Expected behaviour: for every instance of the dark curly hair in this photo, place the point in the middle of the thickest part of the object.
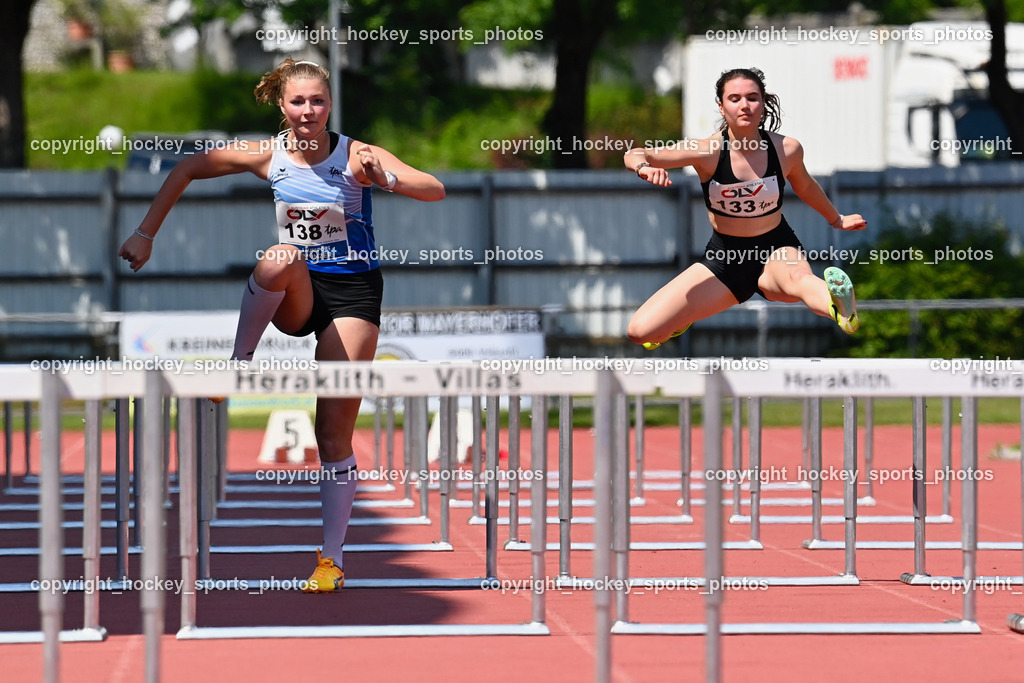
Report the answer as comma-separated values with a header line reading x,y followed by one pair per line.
x,y
771,117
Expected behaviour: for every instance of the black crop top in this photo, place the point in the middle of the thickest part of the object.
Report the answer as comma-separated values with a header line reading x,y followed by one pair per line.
x,y
726,195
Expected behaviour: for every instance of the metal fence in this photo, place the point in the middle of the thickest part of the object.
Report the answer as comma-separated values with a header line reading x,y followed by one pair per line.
x,y
588,246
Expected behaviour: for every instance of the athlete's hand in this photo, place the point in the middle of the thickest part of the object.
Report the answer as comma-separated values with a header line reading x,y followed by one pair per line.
x,y
655,176
136,251
853,222
371,165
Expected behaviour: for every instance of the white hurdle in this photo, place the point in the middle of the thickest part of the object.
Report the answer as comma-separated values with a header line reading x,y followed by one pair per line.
x,y
848,379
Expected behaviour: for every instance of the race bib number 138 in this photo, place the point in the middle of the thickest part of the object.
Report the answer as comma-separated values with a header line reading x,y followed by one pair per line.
x,y
311,224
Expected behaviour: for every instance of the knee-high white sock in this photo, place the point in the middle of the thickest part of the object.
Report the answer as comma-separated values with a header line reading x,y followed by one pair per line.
x,y
258,308
337,493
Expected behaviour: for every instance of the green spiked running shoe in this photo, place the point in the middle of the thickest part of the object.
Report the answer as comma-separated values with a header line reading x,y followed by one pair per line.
x,y
844,305
650,346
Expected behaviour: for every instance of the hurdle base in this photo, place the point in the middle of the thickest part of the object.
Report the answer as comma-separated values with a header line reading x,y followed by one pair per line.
x,y
370,631
1015,622
440,546
263,585
78,635
827,628
909,545
643,545
944,582
698,582
912,579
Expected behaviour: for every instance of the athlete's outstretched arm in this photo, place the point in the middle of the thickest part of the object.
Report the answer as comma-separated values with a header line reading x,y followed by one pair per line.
x,y
650,162
376,162
247,156
808,189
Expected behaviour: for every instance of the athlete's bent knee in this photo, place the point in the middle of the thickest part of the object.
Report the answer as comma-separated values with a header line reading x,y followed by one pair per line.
x,y
638,334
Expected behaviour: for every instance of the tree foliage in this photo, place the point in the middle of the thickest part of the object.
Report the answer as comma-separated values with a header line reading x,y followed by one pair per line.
x,y
944,257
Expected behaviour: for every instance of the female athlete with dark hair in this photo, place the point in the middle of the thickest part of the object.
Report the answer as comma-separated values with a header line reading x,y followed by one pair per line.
x,y
324,277
743,169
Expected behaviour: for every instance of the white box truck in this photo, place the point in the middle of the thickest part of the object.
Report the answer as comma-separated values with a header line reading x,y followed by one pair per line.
x,y
866,97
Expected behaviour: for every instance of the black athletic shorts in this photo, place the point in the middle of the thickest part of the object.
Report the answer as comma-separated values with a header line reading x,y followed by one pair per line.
x,y
343,295
739,261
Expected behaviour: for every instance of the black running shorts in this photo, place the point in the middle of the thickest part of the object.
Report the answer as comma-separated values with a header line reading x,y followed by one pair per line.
x,y
739,261
343,295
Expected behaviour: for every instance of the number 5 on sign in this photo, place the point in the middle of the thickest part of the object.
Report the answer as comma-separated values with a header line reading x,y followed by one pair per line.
x,y
289,438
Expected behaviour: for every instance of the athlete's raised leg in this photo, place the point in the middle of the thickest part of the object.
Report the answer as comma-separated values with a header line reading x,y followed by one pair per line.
x,y
787,277
692,295
278,290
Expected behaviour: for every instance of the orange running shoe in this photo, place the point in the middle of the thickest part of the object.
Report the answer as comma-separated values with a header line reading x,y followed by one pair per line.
x,y
326,577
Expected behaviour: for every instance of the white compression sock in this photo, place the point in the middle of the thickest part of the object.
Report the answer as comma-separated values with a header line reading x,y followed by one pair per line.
x,y
258,308
337,493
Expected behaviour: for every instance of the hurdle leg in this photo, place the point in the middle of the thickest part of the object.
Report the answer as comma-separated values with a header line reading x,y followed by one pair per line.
x,y
947,456
969,504
1016,621
122,472
91,539
188,502
8,445
639,421
51,535
389,407
166,449
477,457
491,498
206,451
154,553
420,412
714,561
814,440
754,420
805,434
539,503
603,449
513,466
446,464
377,406
686,456
850,483
565,469
220,413
869,450
620,502
28,437
920,475
408,454
138,468
737,458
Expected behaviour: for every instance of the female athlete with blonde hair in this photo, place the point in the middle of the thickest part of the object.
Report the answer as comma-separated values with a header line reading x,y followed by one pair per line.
x,y
324,276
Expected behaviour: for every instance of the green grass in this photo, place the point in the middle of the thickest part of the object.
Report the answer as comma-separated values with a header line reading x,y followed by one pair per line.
x,y
76,104
658,412
434,131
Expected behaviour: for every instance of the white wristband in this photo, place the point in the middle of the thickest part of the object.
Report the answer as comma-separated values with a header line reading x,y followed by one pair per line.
x,y
392,180
143,235
839,223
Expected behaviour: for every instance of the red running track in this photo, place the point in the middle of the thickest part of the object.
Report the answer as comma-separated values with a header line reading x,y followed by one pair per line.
x,y
997,654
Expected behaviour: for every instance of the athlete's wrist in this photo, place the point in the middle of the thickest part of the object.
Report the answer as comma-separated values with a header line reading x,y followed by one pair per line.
x,y
837,223
392,180
642,164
